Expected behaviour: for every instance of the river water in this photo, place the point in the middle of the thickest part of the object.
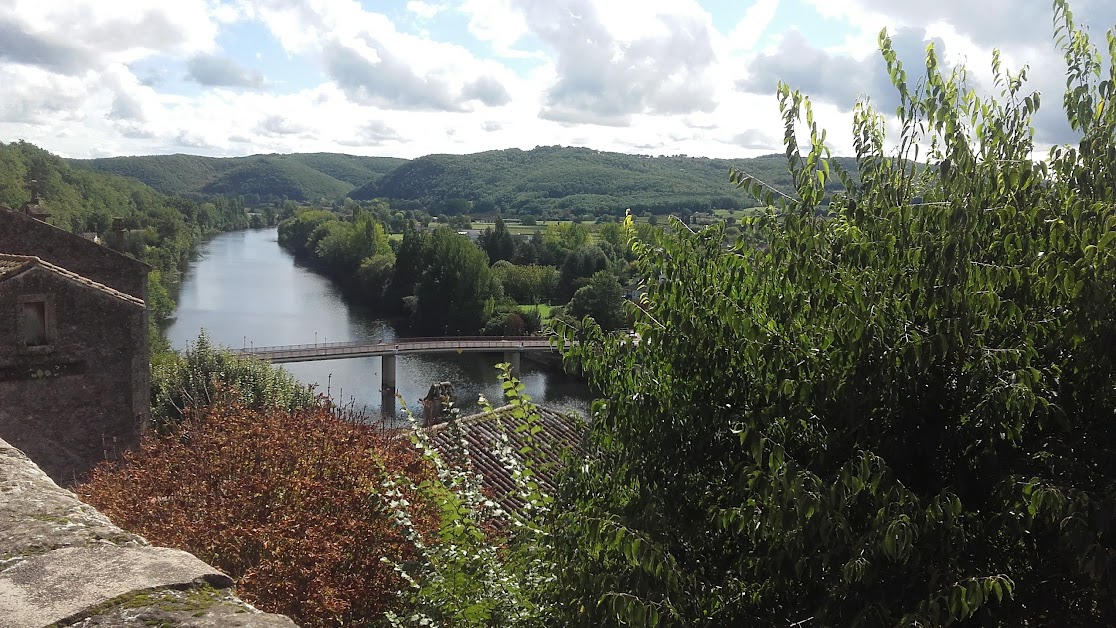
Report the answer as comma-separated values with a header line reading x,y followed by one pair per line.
x,y
245,291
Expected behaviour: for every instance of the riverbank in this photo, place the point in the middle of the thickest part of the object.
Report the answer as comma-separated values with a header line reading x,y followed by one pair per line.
x,y
245,291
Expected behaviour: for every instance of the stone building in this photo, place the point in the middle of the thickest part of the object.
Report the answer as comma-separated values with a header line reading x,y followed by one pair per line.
x,y
74,362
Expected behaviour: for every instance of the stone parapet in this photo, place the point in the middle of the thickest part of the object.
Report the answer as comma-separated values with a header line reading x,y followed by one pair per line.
x,y
63,563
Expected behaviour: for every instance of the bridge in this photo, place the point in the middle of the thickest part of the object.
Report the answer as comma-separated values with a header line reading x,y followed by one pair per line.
x,y
511,346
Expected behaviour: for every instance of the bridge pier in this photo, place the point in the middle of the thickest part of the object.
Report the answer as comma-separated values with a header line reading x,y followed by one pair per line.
x,y
387,385
512,357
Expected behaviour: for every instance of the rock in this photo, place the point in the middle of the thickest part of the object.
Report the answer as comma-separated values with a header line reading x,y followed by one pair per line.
x,y
62,584
64,563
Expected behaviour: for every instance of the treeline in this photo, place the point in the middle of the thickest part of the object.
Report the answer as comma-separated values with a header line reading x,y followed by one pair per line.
x,y
445,283
161,230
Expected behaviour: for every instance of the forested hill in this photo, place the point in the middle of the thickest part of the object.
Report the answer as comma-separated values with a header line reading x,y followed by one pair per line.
x,y
303,177
544,180
551,179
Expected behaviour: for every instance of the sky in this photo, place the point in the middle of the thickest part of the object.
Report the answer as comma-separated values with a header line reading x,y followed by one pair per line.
x,y
406,78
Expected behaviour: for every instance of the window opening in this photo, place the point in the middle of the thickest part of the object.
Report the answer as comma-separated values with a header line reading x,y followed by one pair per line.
x,y
34,323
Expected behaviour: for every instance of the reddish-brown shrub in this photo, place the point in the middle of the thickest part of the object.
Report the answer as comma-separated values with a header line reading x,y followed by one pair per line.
x,y
287,503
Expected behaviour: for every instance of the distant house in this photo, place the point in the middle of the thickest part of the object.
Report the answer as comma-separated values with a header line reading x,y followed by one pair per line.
x,y
472,234
74,363
634,291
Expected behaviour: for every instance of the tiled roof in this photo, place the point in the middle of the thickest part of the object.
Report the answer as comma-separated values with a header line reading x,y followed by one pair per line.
x,y
560,432
12,265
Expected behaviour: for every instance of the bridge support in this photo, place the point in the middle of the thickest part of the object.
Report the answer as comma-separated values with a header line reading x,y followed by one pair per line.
x,y
512,357
387,385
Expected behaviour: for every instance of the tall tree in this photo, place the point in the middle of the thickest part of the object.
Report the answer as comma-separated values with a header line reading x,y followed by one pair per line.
x,y
498,243
898,416
602,299
456,287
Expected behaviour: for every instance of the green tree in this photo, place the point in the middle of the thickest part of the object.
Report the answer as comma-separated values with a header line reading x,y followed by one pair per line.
x,y
196,377
602,299
579,265
456,285
294,232
529,284
898,416
410,261
498,242
374,276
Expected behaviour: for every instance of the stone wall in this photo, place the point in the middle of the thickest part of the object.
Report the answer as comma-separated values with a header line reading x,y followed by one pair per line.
x,y
23,235
63,563
85,395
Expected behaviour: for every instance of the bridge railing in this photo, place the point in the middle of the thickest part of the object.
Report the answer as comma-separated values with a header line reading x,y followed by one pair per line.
x,y
431,342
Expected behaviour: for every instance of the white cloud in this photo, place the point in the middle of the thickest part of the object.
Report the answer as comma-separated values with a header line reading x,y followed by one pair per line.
x,y
499,24
751,27
87,77
424,10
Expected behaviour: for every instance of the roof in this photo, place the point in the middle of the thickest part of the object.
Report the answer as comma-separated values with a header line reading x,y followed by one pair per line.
x,y
12,265
560,433
73,237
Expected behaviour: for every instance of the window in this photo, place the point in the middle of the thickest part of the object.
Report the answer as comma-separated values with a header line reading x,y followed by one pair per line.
x,y
35,325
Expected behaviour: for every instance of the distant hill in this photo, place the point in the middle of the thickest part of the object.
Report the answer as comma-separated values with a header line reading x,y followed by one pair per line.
x,y
544,180
549,179
269,177
299,177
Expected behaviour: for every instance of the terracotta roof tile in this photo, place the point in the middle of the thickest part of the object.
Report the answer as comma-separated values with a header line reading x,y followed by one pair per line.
x,y
12,265
560,432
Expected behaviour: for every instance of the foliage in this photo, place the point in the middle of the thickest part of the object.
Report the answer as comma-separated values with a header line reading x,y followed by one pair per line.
x,y
289,504
489,565
529,284
578,266
497,243
346,245
268,178
192,379
455,286
294,232
602,299
900,416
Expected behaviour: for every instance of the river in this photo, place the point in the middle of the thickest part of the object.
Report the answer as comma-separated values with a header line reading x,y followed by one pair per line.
x,y
244,291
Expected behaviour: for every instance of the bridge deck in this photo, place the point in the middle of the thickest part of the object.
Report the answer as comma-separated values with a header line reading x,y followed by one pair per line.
x,y
362,349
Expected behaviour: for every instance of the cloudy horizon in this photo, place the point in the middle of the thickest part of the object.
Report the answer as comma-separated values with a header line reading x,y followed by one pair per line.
x,y
406,78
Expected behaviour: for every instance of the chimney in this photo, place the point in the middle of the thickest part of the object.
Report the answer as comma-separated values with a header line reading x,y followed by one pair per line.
x,y
115,237
34,208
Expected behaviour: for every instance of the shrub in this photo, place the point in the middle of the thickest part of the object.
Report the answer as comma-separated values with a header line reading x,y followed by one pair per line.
x,y
289,504
181,382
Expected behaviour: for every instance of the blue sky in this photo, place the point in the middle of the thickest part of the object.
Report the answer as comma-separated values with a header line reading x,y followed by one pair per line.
x,y
88,78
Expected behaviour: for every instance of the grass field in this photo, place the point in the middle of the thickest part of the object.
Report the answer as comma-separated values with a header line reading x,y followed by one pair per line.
x,y
544,309
735,213
517,228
